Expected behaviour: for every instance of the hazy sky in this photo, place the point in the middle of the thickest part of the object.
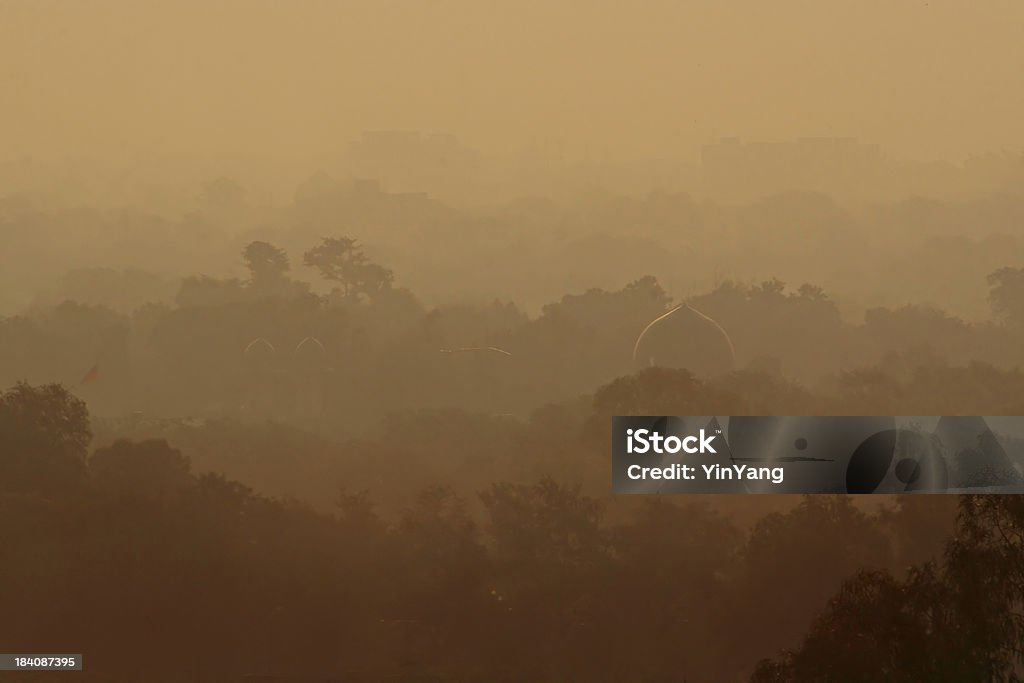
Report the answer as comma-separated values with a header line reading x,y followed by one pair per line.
x,y
208,78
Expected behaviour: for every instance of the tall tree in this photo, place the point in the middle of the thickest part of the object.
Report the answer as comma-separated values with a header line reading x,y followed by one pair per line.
x,y
267,264
1006,294
44,438
341,260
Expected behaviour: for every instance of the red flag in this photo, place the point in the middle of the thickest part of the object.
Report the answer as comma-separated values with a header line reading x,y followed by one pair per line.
x,y
92,376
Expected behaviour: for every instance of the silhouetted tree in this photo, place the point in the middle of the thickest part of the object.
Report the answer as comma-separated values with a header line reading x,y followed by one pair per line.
x,y
148,469
832,538
268,265
876,628
961,620
44,436
341,260
986,571
1006,294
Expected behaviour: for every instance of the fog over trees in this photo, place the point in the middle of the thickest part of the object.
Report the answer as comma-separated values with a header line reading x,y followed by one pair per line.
x,y
314,318
316,474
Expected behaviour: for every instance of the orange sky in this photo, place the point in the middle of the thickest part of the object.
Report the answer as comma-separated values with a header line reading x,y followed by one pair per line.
x,y
571,78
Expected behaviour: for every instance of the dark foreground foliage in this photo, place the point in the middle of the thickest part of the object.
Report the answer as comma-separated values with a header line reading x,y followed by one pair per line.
x,y
156,572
